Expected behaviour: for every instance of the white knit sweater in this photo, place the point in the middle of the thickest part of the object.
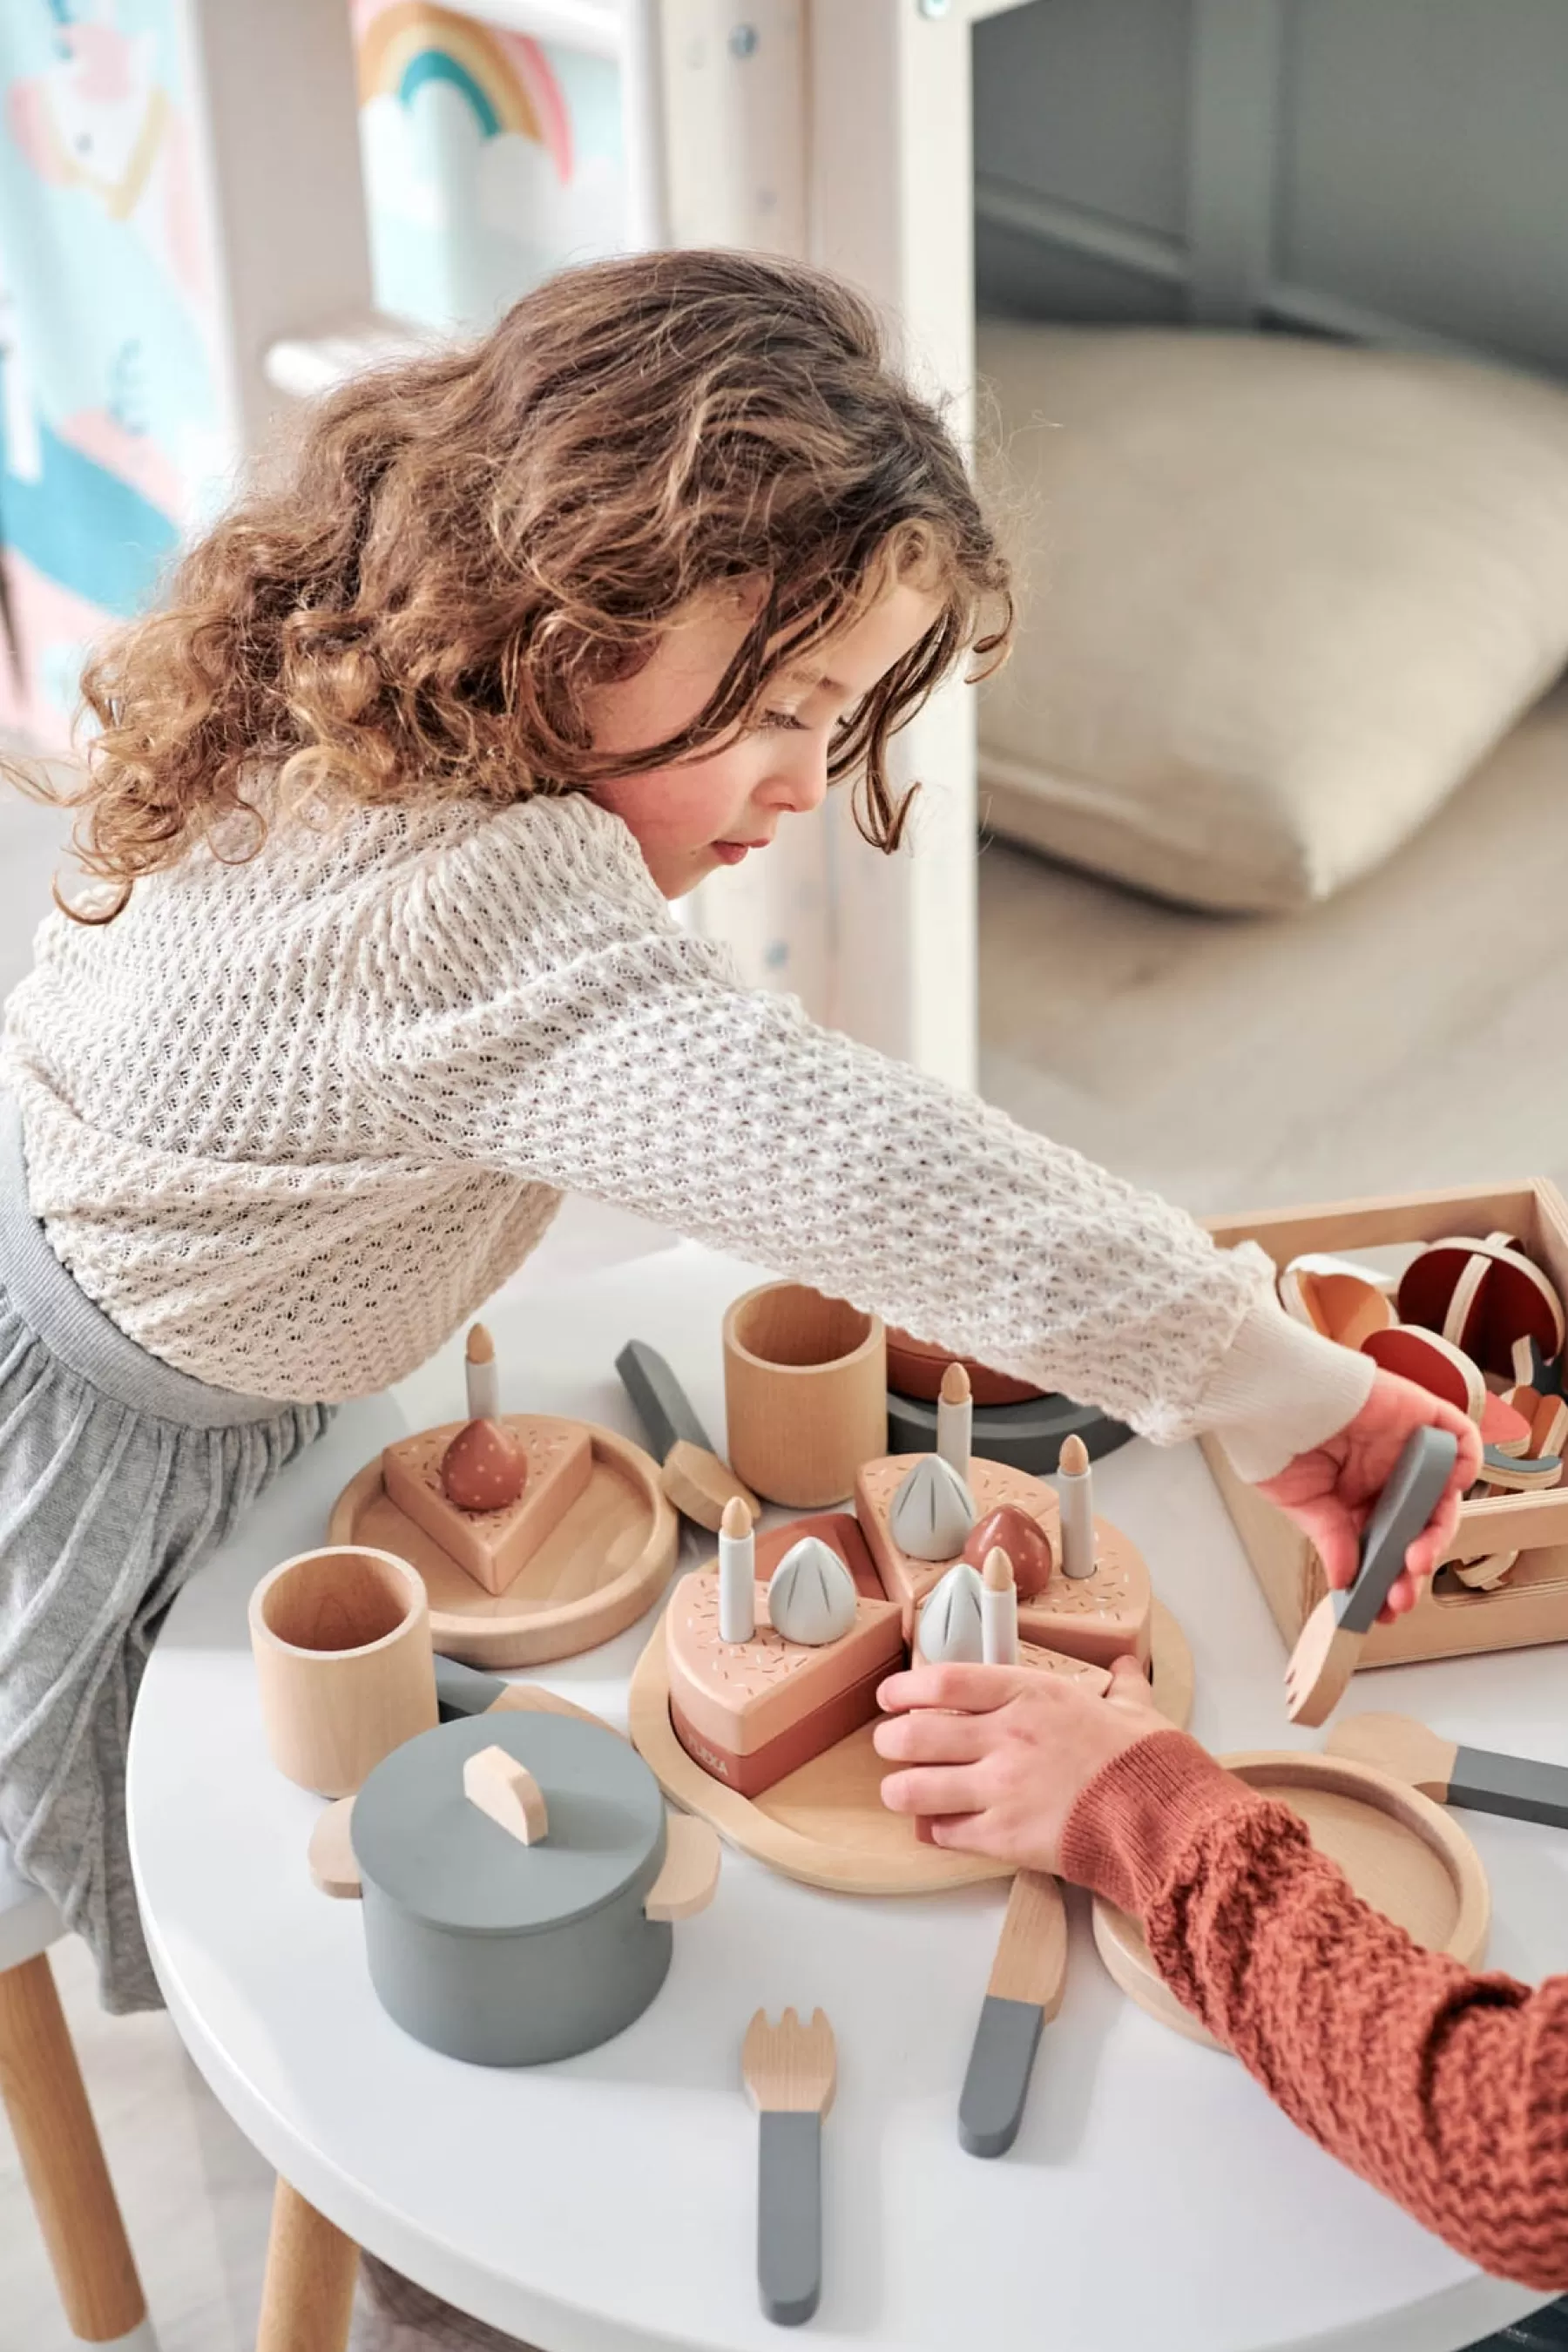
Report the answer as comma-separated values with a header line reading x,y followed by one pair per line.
x,y
289,1121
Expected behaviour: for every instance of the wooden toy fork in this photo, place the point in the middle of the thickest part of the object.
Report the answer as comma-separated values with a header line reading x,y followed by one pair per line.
x,y
791,2070
1324,1658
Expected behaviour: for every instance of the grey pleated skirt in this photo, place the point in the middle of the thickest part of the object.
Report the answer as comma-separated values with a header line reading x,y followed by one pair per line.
x,y
118,1478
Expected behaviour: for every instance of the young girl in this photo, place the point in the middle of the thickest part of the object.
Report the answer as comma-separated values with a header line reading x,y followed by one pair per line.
x,y
388,806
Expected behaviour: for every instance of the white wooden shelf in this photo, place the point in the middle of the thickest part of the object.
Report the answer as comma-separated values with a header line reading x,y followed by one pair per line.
x,y
301,366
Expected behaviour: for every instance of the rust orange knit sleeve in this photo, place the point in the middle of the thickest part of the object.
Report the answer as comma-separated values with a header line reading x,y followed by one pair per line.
x,y
1447,2090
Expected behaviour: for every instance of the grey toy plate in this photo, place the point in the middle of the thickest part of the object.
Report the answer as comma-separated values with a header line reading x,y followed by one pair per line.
x,y
1027,1437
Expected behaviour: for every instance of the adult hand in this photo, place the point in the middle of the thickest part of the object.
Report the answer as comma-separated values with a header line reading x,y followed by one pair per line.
x,y
1000,1775
1330,1492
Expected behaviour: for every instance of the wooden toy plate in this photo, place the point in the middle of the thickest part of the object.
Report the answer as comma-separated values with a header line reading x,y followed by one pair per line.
x,y
594,1575
826,1823
1402,1854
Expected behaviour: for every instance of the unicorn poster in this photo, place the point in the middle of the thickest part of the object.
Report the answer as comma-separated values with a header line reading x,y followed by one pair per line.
x,y
490,160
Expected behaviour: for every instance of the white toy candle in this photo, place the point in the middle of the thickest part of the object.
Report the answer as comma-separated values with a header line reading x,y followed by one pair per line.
x,y
956,1419
736,1573
484,1383
999,1610
1075,1486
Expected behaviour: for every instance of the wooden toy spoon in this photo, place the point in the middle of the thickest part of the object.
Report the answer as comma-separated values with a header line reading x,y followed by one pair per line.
x,y
1324,1658
1028,1979
1475,1778
790,2069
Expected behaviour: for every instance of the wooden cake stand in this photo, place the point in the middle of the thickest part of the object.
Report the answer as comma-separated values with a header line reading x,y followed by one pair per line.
x,y
606,1561
1401,1853
826,1823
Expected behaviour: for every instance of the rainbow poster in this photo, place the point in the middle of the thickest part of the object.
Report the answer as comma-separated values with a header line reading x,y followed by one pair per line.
x,y
492,159
504,78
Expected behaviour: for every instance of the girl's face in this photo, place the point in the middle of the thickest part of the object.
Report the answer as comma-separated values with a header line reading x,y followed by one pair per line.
x,y
700,814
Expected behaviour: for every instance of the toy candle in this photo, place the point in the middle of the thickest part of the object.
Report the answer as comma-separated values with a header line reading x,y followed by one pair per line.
x,y
999,1610
484,1383
736,1573
956,1419
1075,1486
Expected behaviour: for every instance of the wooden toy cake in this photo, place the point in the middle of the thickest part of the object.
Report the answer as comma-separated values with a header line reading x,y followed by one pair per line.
x,y
535,1536
775,1653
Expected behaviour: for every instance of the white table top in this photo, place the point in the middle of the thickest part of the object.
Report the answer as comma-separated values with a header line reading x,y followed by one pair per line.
x,y
1154,2194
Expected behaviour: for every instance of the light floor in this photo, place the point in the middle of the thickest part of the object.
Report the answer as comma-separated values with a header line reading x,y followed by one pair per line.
x,y
1408,1035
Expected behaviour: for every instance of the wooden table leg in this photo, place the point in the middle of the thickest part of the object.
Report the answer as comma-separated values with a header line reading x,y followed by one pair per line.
x,y
62,2157
307,2300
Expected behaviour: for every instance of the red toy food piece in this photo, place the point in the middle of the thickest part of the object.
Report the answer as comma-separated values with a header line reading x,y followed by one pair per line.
x,y
482,1470
1023,1540
1486,1296
1343,1307
1432,1362
1506,1428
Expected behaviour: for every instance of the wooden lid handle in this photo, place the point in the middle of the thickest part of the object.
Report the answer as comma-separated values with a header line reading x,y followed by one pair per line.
x,y
332,1855
508,1792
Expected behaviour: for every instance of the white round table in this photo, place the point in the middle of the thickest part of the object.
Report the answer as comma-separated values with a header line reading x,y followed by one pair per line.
x,y
1154,2196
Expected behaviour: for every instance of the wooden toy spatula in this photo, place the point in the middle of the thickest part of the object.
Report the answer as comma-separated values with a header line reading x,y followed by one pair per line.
x,y
1325,1655
790,2069
694,1478
1475,1778
1028,1979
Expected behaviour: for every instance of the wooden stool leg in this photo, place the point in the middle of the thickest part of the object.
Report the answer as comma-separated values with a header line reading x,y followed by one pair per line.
x,y
307,2300
62,2157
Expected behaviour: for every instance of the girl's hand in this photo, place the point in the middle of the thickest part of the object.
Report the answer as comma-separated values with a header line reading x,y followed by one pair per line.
x,y
1001,1777
1330,1492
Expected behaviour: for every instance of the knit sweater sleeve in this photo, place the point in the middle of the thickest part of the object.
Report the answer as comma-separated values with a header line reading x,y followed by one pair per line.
x,y
1447,2090
537,1010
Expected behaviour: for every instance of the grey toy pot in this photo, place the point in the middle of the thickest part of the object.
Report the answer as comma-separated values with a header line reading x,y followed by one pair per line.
x,y
519,1876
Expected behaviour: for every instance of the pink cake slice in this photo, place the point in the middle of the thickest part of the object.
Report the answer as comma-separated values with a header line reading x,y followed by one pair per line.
x,y
1097,1618
907,1580
492,1547
840,1531
1103,1617
763,1706
1054,1662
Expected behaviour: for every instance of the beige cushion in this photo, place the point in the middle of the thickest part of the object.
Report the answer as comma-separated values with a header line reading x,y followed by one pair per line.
x,y
1279,596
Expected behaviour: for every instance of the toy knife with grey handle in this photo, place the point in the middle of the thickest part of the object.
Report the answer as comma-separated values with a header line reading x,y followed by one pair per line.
x,y
1478,1778
1326,1654
1028,1979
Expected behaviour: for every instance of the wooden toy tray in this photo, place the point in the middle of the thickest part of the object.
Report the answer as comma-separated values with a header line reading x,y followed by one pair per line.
x,y
594,1574
1533,1605
1401,1853
826,1823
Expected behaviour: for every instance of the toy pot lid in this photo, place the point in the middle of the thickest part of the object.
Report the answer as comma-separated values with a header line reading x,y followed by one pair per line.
x,y
423,1841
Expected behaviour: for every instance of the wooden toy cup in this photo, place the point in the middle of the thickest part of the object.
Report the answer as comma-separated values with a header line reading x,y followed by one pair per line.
x,y
345,1662
805,1393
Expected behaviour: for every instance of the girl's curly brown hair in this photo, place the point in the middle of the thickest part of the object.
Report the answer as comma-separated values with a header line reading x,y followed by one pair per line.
x,y
467,539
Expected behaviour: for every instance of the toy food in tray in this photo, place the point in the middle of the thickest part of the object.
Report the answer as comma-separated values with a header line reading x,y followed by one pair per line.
x,y
1476,1321
775,1653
